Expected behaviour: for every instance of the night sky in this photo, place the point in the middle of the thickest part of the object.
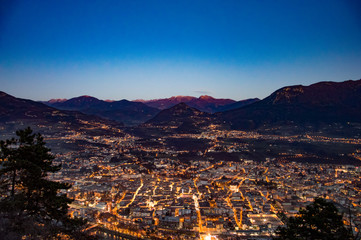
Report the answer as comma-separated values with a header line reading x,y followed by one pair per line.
x,y
155,49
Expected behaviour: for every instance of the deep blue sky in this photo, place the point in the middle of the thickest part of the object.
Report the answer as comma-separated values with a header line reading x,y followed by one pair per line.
x,y
154,49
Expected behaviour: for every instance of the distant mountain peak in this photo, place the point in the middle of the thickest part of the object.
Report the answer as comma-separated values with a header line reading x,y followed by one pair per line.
x,y
180,114
323,102
85,97
181,108
181,98
180,105
204,103
206,97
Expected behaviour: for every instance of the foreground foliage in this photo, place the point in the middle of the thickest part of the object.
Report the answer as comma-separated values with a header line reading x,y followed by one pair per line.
x,y
319,221
31,206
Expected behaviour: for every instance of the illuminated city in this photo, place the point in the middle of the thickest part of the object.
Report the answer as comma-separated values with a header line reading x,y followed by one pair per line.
x,y
180,120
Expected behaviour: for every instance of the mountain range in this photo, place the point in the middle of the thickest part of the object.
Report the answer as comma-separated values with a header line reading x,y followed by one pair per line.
x,y
140,111
323,102
320,104
203,103
124,111
17,112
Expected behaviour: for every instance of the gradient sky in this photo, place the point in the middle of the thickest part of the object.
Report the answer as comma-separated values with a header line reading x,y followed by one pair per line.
x,y
154,49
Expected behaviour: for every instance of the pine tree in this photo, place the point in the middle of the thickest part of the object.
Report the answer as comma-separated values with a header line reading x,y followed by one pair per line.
x,y
27,195
319,221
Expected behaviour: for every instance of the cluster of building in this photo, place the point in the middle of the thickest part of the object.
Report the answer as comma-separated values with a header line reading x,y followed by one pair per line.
x,y
143,190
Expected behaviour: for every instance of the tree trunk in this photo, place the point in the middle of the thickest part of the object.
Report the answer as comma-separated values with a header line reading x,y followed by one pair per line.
x,y
13,184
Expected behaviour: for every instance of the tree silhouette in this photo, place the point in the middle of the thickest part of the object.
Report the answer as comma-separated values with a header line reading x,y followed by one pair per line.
x,y
30,203
319,221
